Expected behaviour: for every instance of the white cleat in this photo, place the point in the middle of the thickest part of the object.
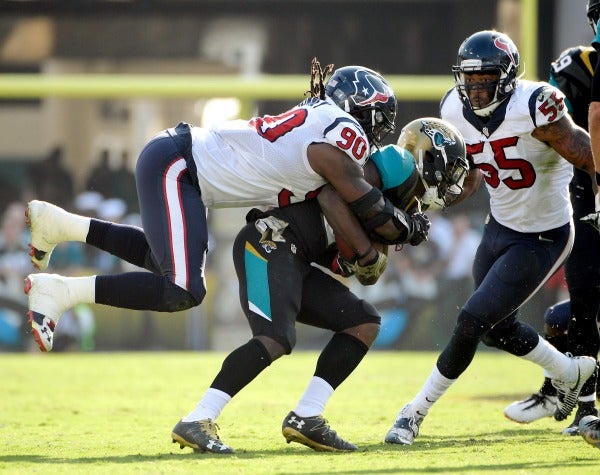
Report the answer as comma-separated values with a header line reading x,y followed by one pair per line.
x,y
48,296
589,428
405,428
49,226
568,391
535,407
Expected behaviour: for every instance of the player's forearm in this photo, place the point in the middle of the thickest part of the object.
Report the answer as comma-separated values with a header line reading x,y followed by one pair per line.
x,y
594,127
343,221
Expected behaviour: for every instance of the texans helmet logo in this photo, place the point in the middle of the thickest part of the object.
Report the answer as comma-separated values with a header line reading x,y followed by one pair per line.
x,y
503,45
372,87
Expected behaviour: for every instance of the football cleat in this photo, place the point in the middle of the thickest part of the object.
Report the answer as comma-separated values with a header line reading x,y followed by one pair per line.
x,y
589,428
49,226
535,407
201,436
568,391
314,432
405,428
583,409
48,297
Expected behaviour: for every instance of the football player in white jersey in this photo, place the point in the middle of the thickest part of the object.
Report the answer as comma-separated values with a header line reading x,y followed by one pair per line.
x,y
267,161
522,143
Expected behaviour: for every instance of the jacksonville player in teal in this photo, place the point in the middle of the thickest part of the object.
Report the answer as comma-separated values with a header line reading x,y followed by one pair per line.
x,y
273,256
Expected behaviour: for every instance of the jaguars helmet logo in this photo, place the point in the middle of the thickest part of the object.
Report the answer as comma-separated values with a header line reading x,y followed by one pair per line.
x,y
440,138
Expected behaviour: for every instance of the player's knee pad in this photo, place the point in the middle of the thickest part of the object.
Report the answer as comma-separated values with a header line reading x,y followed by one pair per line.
x,y
516,338
470,326
497,337
286,338
371,313
176,298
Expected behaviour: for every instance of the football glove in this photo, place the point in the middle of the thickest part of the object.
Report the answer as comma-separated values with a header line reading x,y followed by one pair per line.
x,y
420,228
370,272
593,219
340,266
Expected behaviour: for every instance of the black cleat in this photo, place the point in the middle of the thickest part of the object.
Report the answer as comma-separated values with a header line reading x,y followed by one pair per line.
x,y
200,436
583,409
314,432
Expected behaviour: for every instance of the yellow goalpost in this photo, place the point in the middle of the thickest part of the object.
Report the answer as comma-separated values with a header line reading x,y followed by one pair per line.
x,y
406,87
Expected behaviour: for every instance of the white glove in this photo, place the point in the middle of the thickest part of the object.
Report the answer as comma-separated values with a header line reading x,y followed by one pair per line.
x,y
369,274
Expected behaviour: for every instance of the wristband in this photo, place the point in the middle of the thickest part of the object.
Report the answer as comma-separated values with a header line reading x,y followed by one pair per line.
x,y
366,253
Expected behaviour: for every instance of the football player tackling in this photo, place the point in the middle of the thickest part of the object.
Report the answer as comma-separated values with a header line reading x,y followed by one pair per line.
x,y
267,161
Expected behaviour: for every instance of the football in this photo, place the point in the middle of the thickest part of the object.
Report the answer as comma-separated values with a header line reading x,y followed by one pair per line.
x,y
350,254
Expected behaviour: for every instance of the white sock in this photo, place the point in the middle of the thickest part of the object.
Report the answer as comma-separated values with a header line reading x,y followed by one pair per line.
x,y
81,289
209,407
315,398
434,388
79,227
556,365
588,398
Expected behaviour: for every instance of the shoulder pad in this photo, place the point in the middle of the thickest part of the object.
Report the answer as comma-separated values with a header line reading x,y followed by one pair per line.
x,y
575,62
395,165
547,105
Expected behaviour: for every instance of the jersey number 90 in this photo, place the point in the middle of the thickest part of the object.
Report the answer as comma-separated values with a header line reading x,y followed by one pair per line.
x,y
276,126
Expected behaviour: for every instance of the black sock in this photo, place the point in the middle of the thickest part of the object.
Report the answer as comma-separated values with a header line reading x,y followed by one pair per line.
x,y
123,241
142,291
241,367
339,358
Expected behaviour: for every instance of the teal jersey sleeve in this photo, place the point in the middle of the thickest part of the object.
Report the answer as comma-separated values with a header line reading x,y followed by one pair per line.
x,y
395,164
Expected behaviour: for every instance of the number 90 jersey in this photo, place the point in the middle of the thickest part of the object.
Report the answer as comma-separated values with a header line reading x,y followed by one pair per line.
x,y
527,180
264,161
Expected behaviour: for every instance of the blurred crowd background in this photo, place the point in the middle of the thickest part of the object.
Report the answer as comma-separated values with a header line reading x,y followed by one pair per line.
x,y
81,153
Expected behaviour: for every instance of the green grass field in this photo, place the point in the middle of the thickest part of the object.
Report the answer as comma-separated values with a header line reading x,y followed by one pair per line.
x,y
113,413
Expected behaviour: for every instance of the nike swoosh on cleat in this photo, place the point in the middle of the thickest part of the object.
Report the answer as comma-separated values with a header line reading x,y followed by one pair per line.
x,y
578,379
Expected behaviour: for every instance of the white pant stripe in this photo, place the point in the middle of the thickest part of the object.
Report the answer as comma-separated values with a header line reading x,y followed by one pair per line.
x,y
177,230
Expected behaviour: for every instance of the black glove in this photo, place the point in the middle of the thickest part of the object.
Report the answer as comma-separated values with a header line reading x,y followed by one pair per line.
x,y
593,219
340,266
420,227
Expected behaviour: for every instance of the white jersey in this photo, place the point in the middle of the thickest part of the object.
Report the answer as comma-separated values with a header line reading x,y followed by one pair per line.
x,y
526,179
264,162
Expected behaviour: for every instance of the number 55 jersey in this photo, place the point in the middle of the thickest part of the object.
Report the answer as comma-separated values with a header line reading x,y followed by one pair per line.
x,y
264,161
527,180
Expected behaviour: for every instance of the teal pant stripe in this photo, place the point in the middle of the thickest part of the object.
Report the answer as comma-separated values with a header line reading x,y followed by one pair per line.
x,y
257,283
